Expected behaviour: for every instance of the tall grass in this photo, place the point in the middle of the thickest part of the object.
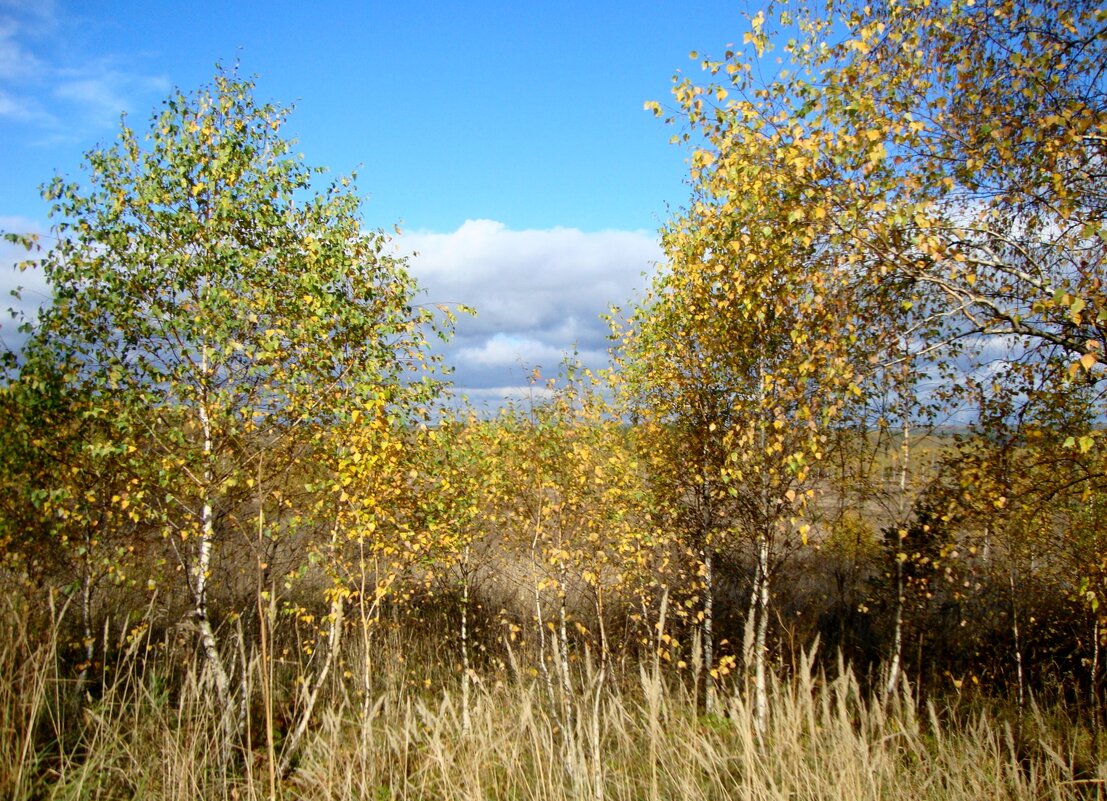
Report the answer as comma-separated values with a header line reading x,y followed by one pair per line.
x,y
146,729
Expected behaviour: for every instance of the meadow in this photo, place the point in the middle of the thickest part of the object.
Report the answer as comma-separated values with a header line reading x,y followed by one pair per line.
x,y
143,725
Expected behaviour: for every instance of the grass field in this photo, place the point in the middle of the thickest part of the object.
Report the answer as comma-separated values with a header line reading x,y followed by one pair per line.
x,y
144,728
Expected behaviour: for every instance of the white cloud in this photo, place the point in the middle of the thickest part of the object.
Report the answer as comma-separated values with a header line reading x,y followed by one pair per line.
x,y
42,86
494,397
30,285
538,294
524,278
102,92
511,351
16,61
21,109
21,73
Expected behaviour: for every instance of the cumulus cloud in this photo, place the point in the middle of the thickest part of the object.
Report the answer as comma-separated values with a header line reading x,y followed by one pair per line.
x,y
491,397
538,294
511,350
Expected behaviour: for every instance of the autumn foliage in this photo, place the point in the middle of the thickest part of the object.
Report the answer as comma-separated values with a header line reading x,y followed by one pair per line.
x,y
853,429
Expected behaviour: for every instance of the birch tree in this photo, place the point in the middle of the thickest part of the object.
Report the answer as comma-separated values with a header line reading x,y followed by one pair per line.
x,y
203,282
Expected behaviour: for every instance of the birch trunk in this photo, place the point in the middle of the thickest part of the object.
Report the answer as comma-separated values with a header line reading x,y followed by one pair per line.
x,y
202,572
1094,698
710,692
466,717
312,689
895,666
761,583
88,640
568,705
334,642
1018,642
543,666
760,648
595,730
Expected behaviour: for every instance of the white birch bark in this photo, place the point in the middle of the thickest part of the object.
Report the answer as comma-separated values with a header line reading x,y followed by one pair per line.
x,y
466,716
760,648
895,665
710,691
202,571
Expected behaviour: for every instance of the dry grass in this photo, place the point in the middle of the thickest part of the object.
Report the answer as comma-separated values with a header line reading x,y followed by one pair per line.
x,y
148,731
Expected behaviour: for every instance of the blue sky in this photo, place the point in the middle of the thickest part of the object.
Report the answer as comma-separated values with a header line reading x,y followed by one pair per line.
x,y
507,138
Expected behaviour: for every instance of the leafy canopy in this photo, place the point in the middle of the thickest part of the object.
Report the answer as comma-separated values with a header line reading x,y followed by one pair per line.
x,y
196,269
952,150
